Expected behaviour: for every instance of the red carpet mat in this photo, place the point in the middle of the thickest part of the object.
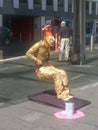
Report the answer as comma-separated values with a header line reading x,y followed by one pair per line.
x,y
49,98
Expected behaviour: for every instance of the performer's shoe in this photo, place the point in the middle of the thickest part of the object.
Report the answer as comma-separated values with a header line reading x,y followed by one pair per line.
x,y
69,97
65,98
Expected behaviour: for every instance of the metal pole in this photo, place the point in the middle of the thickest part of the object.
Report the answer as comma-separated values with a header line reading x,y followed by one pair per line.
x,y
82,31
79,31
92,43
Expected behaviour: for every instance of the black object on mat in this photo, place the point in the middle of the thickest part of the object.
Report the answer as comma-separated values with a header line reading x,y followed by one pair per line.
x,y
49,98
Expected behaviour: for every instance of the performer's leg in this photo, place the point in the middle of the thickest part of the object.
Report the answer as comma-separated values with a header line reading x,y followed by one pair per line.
x,y
45,73
61,86
60,80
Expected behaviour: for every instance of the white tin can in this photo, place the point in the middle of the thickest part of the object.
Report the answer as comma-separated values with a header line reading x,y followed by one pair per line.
x,y
69,108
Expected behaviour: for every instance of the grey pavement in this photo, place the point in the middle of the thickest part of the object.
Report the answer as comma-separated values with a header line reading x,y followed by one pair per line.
x,y
19,113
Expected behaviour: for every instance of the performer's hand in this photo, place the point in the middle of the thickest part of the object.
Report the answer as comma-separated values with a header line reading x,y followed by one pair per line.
x,y
39,62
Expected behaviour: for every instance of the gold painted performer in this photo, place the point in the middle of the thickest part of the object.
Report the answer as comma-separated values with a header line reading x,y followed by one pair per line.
x,y
39,53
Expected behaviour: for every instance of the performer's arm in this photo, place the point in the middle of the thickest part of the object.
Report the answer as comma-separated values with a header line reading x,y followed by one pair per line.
x,y
31,54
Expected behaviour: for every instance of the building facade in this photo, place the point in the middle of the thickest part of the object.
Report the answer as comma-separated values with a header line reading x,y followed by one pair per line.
x,y
26,17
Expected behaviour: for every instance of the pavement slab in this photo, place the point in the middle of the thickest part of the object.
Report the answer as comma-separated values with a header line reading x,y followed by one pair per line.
x,y
18,81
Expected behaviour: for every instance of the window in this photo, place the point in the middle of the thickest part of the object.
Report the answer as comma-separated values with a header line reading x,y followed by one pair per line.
x,y
49,2
23,1
93,6
96,28
37,1
89,26
87,5
60,3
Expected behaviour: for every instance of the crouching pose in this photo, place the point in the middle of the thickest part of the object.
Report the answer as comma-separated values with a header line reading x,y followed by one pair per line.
x,y
39,53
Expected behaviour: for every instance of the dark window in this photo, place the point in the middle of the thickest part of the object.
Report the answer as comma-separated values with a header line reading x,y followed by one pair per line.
x,y
93,5
61,3
23,1
37,1
87,5
96,28
70,4
49,2
89,26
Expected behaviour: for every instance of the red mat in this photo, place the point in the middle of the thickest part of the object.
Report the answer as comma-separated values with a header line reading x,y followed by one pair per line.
x,y
49,98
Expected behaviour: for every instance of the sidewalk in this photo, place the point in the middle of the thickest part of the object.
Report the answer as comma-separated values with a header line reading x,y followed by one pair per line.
x,y
28,115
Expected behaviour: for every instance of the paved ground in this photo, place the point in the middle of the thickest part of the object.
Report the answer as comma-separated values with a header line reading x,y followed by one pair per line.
x,y
18,81
14,49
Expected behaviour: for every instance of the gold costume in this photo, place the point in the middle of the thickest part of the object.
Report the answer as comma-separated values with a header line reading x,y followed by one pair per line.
x,y
40,53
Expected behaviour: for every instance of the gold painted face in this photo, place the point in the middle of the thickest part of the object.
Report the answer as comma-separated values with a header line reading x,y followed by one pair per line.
x,y
50,40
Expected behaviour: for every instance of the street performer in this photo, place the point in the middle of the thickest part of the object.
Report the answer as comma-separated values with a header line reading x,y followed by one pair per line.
x,y
39,53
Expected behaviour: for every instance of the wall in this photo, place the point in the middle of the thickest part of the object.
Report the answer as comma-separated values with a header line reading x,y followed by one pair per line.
x,y
37,29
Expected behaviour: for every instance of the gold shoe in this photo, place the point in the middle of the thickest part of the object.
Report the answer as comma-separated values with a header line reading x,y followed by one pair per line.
x,y
68,98
64,98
